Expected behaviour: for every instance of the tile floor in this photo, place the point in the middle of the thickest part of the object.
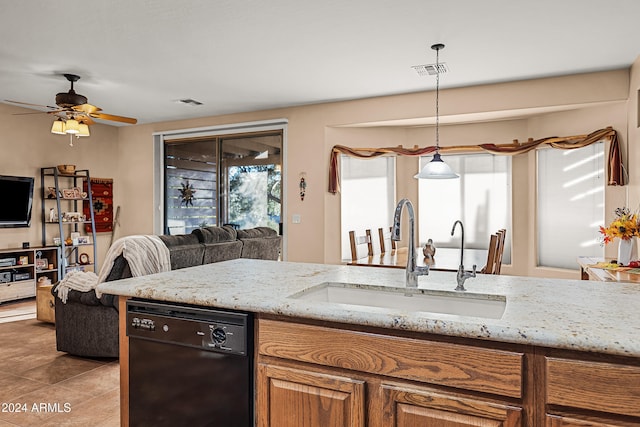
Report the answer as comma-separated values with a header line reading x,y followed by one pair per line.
x,y
40,386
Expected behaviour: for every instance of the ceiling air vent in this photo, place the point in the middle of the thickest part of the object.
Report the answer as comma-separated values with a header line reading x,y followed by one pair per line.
x,y
431,69
189,101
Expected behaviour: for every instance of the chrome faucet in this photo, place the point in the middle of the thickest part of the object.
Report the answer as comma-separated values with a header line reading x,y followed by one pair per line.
x,y
462,275
412,271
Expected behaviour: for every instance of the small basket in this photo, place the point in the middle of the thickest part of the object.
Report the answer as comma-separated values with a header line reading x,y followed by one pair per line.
x,y
66,169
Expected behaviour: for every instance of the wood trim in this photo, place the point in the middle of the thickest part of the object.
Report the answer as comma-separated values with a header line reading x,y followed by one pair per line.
x,y
454,365
605,387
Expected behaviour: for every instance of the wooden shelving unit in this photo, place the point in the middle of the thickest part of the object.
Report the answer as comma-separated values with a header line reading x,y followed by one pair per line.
x,y
59,197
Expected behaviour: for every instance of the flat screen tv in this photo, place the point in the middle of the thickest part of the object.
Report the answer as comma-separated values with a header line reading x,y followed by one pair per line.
x,y
17,200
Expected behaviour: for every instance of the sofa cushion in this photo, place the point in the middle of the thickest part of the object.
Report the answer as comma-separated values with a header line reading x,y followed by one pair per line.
x,y
223,251
179,240
260,243
214,234
185,250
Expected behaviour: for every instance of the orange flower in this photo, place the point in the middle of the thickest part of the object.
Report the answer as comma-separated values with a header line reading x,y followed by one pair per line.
x,y
625,226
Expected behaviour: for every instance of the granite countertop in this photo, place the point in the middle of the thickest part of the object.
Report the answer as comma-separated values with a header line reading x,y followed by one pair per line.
x,y
569,314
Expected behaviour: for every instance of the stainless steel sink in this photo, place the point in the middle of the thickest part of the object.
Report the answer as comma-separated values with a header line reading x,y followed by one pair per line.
x,y
405,299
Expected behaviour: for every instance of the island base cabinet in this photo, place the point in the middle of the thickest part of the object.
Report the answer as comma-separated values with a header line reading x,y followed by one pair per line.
x,y
288,397
560,421
411,407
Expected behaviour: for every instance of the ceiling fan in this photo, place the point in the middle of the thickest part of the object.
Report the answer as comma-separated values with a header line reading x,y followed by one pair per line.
x,y
73,106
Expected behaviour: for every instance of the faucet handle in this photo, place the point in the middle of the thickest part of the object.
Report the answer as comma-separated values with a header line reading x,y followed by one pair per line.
x,y
474,271
422,270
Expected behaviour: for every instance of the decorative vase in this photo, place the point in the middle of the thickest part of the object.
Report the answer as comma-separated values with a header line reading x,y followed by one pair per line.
x,y
627,251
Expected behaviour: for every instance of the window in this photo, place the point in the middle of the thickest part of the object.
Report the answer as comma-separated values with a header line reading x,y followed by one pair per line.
x,y
480,198
570,204
225,179
367,196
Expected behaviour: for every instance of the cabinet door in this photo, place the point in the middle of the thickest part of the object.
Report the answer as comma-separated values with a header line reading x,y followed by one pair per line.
x,y
413,407
288,397
561,421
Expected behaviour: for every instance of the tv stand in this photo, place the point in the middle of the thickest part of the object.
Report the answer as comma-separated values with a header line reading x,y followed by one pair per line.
x,y
20,270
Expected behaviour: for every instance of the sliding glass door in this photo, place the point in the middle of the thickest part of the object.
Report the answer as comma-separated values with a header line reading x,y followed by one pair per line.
x,y
226,179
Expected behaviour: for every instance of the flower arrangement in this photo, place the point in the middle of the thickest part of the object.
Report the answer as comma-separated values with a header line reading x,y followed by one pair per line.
x,y
624,226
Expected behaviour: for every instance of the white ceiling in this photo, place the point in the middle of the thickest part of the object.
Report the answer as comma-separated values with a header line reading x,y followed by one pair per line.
x,y
136,58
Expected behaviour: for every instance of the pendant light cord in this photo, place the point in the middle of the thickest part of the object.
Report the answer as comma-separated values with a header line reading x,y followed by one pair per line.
x,y
438,100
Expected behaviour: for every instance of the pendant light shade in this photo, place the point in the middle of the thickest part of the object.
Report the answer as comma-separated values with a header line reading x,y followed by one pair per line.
x,y
437,168
58,127
72,126
83,130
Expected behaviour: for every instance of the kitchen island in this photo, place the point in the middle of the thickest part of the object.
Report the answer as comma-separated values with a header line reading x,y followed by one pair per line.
x,y
564,352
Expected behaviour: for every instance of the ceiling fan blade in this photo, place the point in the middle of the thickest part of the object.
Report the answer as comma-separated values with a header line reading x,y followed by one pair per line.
x,y
36,112
32,105
113,118
87,108
86,119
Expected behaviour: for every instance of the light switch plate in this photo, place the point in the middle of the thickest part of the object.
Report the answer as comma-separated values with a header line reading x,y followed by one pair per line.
x,y
296,219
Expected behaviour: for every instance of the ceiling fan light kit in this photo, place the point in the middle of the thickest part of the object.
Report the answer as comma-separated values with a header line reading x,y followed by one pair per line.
x,y
74,114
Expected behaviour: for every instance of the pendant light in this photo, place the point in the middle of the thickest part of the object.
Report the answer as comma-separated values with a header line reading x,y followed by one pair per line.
x,y
437,168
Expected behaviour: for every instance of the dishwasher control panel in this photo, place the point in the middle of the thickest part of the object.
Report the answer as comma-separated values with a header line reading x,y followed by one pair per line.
x,y
204,328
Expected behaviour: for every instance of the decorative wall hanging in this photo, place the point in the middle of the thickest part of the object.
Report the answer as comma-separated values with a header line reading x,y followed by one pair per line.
x,y
186,194
615,170
303,185
102,195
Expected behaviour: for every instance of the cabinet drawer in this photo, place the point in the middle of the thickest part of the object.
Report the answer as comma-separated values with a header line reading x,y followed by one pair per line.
x,y
17,290
25,288
454,365
605,387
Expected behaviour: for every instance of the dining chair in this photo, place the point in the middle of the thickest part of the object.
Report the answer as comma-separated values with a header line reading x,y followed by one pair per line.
x,y
358,243
500,250
494,256
385,240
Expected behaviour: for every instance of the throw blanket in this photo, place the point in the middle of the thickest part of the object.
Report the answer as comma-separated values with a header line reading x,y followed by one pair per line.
x,y
145,254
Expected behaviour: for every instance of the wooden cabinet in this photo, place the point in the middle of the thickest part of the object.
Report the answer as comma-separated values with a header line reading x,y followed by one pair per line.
x,y
291,397
317,376
21,269
405,406
561,421
600,388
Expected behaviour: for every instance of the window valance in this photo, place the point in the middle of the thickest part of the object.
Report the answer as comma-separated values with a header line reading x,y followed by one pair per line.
x,y
615,171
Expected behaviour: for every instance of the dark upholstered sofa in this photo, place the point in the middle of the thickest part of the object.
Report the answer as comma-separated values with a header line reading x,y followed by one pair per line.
x,y
88,326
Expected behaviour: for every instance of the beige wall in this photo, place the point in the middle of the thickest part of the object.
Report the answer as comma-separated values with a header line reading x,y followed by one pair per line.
x,y
28,145
581,103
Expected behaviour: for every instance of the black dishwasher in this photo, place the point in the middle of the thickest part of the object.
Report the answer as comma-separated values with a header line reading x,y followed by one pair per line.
x,y
188,365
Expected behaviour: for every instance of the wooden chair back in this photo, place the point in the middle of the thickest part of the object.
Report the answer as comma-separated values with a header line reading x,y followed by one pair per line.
x,y
496,249
358,244
500,250
385,240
